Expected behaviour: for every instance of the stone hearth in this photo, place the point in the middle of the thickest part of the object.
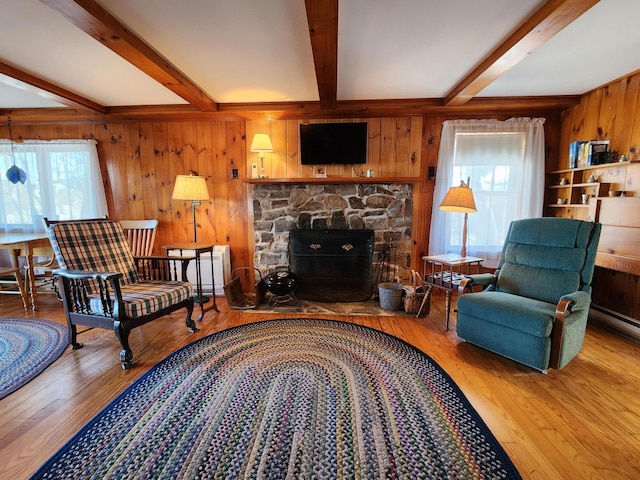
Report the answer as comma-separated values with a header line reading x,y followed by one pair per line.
x,y
387,209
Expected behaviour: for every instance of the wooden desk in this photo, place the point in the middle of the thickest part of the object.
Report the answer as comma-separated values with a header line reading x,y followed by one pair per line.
x,y
445,272
23,245
198,249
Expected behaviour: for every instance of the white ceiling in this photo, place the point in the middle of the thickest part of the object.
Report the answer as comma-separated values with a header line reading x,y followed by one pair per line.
x,y
249,51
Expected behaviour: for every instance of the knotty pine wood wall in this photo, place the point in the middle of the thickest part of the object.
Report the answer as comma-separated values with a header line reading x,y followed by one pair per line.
x,y
612,112
140,161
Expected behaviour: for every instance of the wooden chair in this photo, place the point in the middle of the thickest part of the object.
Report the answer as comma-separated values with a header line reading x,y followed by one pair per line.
x,y
43,278
5,274
141,235
104,286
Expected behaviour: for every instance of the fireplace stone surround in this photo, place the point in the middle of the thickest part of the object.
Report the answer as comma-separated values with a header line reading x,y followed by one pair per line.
x,y
385,208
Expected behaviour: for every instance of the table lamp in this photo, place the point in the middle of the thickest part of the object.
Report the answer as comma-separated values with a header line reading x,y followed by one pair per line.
x,y
460,199
261,143
194,189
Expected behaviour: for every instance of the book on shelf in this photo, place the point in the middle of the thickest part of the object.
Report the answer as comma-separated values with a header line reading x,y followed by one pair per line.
x,y
597,148
583,153
576,151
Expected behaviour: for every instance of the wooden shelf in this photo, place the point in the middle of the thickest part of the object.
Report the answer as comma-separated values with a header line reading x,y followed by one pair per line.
x,y
280,181
591,167
570,205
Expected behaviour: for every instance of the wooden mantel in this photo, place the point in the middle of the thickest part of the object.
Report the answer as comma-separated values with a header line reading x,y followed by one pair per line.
x,y
330,180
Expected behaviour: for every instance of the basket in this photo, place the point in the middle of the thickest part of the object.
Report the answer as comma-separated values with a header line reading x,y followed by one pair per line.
x,y
415,296
237,299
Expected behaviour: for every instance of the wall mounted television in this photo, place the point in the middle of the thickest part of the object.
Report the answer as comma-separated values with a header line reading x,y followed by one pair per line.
x,y
333,143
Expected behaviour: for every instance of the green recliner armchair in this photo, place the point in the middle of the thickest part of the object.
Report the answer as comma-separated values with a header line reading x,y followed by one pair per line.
x,y
534,309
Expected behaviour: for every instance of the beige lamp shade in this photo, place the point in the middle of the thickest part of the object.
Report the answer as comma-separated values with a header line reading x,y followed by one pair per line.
x,y
190,187
261,143
459,199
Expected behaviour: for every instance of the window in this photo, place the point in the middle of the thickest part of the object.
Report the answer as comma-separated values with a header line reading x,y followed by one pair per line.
x,y
505,163
63,183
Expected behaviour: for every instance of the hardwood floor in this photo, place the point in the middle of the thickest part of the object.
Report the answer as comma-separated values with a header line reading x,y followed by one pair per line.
x,y
582,422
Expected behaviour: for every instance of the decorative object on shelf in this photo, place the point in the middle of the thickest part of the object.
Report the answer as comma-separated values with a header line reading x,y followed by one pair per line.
x,y
460,199
585,198
261,143
193,188
592,179
563,181
14,174
614,193
562,201
622,158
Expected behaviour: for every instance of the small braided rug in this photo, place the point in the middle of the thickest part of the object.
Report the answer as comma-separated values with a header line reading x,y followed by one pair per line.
x,y
294,398
27,347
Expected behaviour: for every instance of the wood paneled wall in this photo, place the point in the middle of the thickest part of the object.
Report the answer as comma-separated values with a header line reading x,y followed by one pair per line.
x,y
394,148
140,161
612,112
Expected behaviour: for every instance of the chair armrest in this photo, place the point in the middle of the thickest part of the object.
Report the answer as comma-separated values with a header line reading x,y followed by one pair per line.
x,y
86,274
482,279
572,302
162,267
577,301
78,285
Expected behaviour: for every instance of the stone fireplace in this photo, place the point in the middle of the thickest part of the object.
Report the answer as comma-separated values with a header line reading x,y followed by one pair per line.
x,y
385,208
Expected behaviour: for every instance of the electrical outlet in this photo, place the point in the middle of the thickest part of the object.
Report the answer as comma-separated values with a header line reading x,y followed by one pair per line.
x,y
254,170
234,173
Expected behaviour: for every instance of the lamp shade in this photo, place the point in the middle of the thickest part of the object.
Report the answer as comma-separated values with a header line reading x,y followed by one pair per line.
x,y
261,143
190,187
459,199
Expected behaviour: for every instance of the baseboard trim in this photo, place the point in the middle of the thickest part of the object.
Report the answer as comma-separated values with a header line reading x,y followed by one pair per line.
x,y
627,325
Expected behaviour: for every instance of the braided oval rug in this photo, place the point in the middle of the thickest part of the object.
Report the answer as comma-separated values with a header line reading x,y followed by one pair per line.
x,y
27,347
294,398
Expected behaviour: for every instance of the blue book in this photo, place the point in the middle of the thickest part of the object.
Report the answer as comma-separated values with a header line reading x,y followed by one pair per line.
x,y
574,153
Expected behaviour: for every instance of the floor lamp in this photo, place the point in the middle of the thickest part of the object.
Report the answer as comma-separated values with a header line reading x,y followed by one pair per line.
x,y
194,189
460,199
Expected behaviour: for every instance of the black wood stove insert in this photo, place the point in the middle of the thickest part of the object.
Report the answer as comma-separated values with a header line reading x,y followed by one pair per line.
x,y
332,265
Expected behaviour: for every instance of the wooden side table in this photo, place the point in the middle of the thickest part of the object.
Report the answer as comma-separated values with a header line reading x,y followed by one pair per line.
x,y
445,272
198,249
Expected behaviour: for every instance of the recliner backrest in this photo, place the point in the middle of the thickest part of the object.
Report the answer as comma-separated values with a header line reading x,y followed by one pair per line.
x,y
546,258
95,245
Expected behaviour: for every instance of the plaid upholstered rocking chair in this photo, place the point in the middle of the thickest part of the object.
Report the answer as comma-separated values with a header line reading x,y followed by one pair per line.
x,y
104,286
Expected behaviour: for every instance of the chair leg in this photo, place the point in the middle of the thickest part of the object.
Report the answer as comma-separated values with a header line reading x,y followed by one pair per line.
x,y
188,320
21,286
23,290
126,355
73,335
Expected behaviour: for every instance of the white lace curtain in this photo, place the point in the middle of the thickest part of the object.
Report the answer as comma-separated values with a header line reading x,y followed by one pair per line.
x,y
505,162
63,182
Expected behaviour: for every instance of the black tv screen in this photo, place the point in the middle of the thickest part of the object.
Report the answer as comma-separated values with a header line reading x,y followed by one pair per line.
x,y
333,143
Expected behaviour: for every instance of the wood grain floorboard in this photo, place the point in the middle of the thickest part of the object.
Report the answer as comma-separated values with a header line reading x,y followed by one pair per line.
x,y
582,422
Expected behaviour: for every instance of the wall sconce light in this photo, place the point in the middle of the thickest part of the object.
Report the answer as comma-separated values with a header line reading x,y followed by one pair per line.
x,y
460,199
261,143
194,189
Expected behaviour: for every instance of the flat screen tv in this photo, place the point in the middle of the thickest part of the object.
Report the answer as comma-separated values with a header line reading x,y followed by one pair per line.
x,y
333,143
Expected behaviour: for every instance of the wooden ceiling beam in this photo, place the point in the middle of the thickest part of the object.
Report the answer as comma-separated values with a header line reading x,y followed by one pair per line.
x,y
95,21
552,17
15,77
322,17
522,106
